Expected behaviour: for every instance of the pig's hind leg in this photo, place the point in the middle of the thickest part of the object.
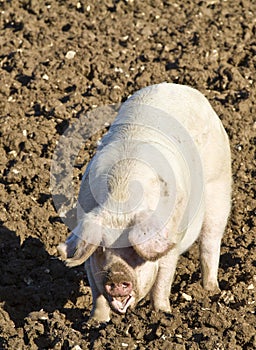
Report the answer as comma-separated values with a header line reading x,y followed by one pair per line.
x,y
217,204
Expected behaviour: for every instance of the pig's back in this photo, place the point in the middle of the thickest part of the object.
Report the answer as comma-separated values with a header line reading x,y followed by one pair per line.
x,y
192,110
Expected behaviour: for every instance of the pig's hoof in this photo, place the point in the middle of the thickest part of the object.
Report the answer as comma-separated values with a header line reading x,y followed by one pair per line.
x,y
211,287
95,323
162,307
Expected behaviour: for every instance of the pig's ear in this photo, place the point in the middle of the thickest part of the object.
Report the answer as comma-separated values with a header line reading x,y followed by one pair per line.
x,y
149,238
81,243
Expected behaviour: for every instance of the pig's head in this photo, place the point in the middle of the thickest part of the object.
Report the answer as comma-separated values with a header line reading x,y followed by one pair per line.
x,y
118,271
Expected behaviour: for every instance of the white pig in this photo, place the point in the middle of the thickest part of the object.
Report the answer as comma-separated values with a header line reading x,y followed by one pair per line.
x,y
160,179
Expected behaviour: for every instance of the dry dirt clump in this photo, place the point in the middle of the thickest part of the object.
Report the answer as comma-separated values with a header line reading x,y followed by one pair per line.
x,y
60,59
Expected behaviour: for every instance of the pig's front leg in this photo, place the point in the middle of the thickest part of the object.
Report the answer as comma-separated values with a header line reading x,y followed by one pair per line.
x,y
160,292
101,309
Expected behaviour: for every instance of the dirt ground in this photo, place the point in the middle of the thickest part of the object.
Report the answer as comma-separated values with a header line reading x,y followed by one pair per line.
x,y
58,60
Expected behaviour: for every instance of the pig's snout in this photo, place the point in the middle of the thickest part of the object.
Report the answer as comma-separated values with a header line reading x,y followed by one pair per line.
x,y
119,292
121,289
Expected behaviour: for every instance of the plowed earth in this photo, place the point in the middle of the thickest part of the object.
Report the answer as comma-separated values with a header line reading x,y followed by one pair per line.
x,y
60,59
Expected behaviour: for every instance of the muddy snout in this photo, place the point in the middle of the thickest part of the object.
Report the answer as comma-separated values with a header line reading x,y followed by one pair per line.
x,y
118,289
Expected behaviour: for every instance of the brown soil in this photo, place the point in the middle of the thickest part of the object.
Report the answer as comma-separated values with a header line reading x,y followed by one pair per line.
x,y
120,47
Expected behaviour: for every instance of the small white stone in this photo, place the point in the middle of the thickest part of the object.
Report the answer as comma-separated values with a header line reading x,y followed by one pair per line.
x,y
76,347
124,345
15,171
45,77
186,296
119,70
13,153
24,132
250,287
124,38
70,54
43,318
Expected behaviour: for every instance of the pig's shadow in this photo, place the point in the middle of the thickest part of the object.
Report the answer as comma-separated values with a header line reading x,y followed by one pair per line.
x,y
32,280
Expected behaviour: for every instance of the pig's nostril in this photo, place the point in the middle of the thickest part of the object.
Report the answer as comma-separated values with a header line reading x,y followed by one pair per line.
x,y
118,289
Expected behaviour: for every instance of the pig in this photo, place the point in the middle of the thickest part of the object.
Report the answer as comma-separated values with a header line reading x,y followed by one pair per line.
x,y
160,180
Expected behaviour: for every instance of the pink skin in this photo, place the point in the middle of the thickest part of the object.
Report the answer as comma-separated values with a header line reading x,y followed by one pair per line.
x,y
119,295
122,289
